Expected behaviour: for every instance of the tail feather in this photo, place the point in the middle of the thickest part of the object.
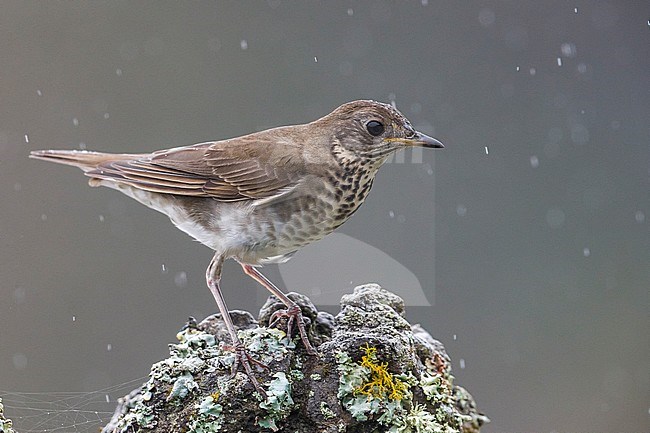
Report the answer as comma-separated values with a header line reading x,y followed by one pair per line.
x,y
83,159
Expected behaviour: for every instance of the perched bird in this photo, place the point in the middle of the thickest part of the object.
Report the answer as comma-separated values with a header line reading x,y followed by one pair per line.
x,y
259,198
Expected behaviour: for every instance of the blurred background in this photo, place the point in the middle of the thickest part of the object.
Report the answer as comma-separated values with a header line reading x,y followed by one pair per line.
x,y
534,255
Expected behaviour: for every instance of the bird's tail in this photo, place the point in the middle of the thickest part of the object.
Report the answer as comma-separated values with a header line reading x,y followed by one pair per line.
x,y
83,159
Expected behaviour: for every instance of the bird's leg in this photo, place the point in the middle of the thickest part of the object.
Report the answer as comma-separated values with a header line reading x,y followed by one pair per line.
x,y
242,357
293,311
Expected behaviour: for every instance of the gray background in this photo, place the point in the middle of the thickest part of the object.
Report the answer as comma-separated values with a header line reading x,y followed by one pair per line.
x,y
541,247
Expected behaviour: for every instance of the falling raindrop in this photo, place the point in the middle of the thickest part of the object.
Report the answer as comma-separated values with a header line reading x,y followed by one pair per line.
x,y
118,72
350,12
26,138
74,318
315,59
461,210
487,151
559,61
101,218
75,121
639,216
532,71
586,252
164,269
180,279
461,363
534,161
109,347
243,44
106,115
39,93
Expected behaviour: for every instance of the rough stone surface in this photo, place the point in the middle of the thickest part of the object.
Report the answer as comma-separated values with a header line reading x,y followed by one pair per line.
x,y
375,372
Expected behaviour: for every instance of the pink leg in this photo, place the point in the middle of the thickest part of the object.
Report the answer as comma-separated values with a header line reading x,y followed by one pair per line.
x,y
242,357
293,311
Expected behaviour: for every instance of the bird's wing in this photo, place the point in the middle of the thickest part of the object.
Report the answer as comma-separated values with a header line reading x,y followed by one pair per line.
x,y
244,168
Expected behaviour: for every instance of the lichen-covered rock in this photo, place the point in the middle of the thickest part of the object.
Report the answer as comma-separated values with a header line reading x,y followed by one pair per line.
x,y
374,373
5,424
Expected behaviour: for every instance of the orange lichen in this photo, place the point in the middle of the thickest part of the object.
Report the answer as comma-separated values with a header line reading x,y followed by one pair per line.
x,y
382,383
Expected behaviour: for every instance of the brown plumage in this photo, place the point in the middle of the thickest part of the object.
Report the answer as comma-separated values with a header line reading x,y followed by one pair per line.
x,y
260,197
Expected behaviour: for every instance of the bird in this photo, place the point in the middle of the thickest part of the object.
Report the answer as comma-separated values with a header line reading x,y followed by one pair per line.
x,y
260,197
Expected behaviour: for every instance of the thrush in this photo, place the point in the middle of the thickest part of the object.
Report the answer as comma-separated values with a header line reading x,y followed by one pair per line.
x,y
259,198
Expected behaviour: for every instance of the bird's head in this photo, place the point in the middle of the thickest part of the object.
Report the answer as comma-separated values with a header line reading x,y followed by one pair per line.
x,y
371,131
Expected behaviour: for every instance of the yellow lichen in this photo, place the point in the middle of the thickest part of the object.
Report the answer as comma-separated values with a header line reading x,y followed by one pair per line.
x,y
382,383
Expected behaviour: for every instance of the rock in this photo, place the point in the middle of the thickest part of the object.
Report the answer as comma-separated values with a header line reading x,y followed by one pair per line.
x,y
5,424
375,372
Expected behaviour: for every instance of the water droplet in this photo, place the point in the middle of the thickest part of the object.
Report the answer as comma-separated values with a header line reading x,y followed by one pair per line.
x,y
461,363
486,17
568,49
534,161
586,252
26,138
575,10
109,347
559,61
315,59
164,268
455,337
243,44
19,295
517,68
487,151
639,216
180,279
74,318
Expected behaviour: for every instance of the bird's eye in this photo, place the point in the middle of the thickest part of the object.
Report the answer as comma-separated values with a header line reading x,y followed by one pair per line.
x,y
375,128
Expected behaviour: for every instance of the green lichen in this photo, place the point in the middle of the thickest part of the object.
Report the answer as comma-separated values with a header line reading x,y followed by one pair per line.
x,y
368,388
182,387
419,420
278,403
269,344
139,414
5,424
208,418
326,411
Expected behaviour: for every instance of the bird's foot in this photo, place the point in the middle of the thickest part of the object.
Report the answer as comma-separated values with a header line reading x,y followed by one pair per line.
x,y
245,360
294,315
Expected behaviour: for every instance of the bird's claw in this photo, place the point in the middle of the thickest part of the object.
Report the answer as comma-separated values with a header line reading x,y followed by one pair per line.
x,y
244,359
294,315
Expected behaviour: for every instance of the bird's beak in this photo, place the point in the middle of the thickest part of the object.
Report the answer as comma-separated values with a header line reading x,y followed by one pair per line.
x,y
423,140
418,140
